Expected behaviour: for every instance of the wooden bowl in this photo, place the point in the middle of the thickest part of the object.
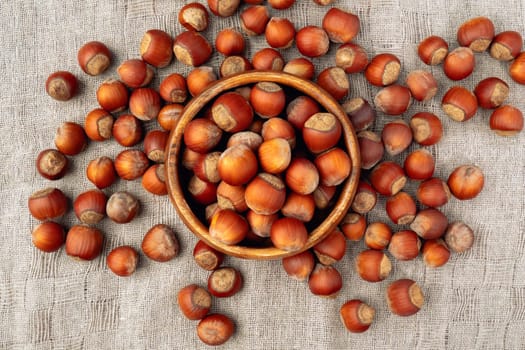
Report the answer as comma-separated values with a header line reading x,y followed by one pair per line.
x,y
192,109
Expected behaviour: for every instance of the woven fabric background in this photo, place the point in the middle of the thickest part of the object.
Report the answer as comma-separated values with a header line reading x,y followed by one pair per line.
x,y
49,301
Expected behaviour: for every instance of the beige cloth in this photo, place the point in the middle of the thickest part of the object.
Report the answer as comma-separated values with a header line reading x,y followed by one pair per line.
x,y
48,301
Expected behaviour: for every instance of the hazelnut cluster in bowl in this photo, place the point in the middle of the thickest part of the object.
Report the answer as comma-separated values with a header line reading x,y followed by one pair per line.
x,y
262,165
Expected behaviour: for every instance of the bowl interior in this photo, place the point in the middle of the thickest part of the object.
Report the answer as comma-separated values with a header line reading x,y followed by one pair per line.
x,y
175,180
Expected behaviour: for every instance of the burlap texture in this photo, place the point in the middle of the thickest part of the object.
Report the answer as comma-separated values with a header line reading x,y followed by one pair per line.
x,y
48,301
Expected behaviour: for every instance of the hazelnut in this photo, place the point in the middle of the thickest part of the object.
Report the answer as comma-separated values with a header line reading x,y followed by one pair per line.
x,y
280,33
476,33
98,125
435,253
433,192
334,81
268,59
377,235
331,249
506,120
388,178
393,99
334,166
429,223
160,243
491,92
459,63
427,128
191,48
299,266
373,265
113,96
371,147
401,208
404,297
61,85
122,261
135,73
301,67
101,172
194,302
419,164
405,245
48,203
156,48
199,78
289,234
94,57
432,50
130,164
224,282
90,206
506,45
312,41
194,16
70,138
228,227
396,136
422,84
365,198
351,57
223,8
321,132
215,329
83,242
353,226
341,26
51,164
383,69
357,316
127,130
154,180
229,42
207,257
49,236
122,207
238,165
300,109
325,281
459,237
254,19
202,135
466,181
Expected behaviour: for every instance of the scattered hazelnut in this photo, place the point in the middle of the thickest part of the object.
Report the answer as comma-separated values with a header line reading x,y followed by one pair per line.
x,y
215,329
466,181
83,242
94,57
506,120
160,243
357,316
194,302
224,282
123,261
459,237
61,85
122,207
51,164
373,265
48,203
404,297
48,236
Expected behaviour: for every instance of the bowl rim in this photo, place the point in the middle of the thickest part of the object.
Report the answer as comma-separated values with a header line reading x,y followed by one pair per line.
x,y
192,109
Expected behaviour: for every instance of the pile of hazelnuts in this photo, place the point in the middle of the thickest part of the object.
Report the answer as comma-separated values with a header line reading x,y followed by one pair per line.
x,y
133,103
